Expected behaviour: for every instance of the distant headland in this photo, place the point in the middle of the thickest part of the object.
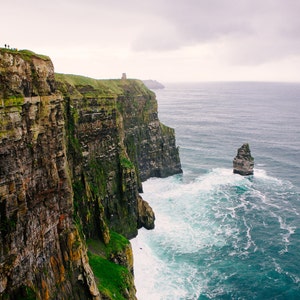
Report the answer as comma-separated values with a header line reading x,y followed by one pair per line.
x,y
153,84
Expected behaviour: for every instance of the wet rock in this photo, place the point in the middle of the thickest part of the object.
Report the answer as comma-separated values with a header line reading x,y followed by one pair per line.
x,y
146,215
243,163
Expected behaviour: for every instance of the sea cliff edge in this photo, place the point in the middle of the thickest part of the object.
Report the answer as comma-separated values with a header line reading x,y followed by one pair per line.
x,y
73,154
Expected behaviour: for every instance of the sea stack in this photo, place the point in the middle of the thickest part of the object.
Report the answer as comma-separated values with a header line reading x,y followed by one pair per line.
x,y
243,163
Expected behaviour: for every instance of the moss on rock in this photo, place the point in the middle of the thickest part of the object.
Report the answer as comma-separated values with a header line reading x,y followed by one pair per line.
x,y
112,265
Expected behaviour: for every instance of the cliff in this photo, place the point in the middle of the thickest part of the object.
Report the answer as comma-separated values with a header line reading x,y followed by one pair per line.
x,y
73,154
41,252
153,84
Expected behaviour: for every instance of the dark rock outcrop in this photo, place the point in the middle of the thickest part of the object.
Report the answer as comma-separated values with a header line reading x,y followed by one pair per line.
x,y
146,216
243,163
151,145
73,154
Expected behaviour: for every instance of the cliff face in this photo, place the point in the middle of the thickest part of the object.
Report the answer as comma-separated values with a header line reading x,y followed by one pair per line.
x,y
149,143
73,154
115,142
40,248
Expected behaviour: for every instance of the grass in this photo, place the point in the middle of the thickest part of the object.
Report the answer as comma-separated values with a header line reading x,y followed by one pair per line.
x,y
13,101
25,54
126,163
166,130
107,88
117,243
112,279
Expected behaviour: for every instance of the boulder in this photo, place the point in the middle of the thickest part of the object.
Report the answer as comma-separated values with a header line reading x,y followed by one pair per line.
x,y
243,163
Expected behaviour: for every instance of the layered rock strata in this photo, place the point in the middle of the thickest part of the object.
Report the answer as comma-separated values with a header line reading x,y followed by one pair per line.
x,y
73,154
41,251
243,163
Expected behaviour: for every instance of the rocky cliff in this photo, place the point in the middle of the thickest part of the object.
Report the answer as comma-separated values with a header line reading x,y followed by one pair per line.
x,y
73,154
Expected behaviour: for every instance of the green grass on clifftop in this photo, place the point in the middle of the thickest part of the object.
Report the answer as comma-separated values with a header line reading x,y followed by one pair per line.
x,y
101,87
78,80
25,54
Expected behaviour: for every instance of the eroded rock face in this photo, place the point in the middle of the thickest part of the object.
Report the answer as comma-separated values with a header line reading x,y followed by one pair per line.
x,y
72,160
26,74
146,215
149,142
41,251
243,163
118,142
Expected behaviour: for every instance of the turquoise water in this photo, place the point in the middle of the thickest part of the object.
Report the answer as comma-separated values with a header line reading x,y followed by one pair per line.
x,y
219,235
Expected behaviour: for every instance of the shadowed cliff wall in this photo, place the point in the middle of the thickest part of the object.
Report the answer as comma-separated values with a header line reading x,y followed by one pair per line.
x,y
41,252
115,141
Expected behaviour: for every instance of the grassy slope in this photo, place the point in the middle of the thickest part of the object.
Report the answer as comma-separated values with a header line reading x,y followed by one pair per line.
x,y
105,87
25,54
112,278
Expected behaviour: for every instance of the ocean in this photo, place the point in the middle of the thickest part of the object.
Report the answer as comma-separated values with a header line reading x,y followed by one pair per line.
x,y
219,235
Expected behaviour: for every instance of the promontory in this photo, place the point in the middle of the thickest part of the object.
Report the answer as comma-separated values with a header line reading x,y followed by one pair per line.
x,y
74,152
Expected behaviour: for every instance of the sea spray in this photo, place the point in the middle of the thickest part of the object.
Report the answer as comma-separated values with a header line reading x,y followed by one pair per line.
x,y
219,235
213,231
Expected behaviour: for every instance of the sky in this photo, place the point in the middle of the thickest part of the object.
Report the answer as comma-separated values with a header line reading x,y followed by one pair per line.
x,y
164,40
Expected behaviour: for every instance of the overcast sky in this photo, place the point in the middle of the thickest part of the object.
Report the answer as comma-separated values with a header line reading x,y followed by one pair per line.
x,y
166,40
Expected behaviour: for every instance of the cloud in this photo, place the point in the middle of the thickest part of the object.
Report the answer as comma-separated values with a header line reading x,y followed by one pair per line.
x,y
197,37
253,32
